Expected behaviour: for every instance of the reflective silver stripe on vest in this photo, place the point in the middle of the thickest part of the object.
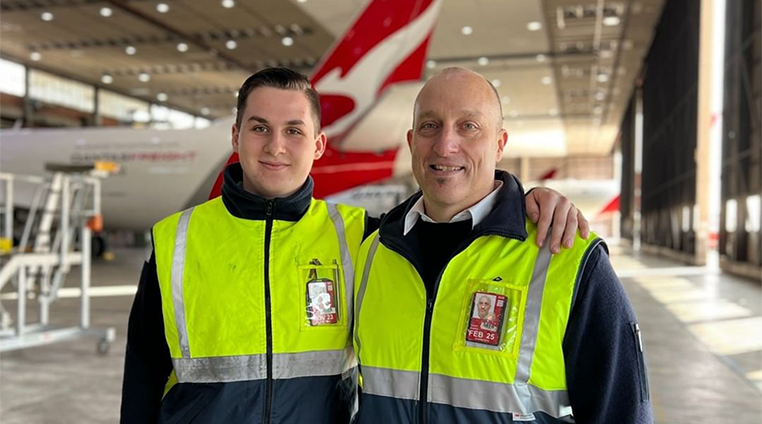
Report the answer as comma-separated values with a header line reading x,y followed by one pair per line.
x,y
532,322
226,369
496,397
346,257
220,369
363,286
463,393
178,266
390,383
309,364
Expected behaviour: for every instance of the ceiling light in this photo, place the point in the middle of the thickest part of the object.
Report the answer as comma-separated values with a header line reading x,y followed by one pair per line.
x,y
107,79
302,1
205,111
506,99
483,61
228,4
603,78
547,80
534,26
130,50
234,110
287,41
106,12
496,82
235,94
553,112
606,54
611,20
162,8
182,47
513,114
597,110
144,77
431,64
541,58
600,95
162,97
231,44
46,16
35,56
467,30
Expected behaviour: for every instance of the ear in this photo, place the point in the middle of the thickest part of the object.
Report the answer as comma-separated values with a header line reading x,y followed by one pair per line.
x,y
410,140
320,144
234,138
501,141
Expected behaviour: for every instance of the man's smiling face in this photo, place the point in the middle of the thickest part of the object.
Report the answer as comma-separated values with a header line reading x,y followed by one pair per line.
x,y
277,141
456,139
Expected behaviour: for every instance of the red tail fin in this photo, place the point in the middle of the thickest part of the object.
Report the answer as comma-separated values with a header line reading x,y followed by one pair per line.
x,y
386,44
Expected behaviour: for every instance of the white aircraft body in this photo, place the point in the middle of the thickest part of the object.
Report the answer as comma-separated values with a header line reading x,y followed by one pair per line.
x,y
161,171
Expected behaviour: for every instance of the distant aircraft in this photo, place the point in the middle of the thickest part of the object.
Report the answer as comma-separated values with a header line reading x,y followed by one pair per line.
x,y
163,171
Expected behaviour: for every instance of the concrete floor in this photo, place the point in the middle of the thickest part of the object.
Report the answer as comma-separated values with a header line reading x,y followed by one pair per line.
x,y
702,332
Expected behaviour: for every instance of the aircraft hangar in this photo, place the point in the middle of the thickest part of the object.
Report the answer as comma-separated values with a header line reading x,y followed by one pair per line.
x,y
646,114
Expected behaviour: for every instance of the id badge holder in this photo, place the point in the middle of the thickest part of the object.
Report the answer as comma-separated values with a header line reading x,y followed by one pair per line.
x,y
321,294
491,317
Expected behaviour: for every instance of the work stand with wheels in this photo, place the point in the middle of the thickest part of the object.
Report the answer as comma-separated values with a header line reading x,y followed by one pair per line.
x,y
64,206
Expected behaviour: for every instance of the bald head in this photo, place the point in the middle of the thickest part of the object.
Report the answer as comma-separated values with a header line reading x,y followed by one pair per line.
x,y
464,82
456,141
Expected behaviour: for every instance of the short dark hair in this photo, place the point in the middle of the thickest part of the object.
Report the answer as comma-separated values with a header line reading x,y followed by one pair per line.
x,y
284,79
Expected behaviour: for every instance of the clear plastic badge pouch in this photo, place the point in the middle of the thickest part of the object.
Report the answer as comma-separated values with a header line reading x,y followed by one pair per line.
x,y
322,294
491,317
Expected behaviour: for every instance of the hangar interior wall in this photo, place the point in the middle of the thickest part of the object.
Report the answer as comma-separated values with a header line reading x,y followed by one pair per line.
x,y
740,241
670,105
627,196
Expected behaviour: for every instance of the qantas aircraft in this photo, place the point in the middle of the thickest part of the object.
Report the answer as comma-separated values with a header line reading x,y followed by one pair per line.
x,y
163,171
367,82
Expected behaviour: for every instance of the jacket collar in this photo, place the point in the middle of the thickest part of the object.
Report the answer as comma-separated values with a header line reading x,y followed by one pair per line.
x,y
507,218
242,204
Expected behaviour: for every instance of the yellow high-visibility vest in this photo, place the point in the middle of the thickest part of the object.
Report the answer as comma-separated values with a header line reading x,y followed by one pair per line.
x,y
488,342
240,299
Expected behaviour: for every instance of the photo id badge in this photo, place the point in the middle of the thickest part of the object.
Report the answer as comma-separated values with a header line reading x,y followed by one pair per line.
x,y
486,318
321,302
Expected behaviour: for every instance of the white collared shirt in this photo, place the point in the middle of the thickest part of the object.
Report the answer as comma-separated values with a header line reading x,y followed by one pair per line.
x,y
475,213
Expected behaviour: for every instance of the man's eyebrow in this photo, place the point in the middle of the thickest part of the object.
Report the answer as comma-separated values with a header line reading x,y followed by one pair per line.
x,y
427,114
467,113
258,119
472,113
295,122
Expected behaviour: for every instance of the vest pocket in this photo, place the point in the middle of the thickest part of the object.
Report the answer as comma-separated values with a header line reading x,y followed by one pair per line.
x,y
323,299
491,317
642,377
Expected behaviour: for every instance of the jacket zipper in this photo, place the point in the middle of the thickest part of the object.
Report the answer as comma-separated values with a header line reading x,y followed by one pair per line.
x,y
427,344
423,402
268,314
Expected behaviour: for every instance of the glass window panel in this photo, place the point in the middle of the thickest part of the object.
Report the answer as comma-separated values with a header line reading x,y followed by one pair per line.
x,y
13,80
61,91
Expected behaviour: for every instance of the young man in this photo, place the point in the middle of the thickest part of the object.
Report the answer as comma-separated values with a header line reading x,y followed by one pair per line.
x,y
244,311
563,344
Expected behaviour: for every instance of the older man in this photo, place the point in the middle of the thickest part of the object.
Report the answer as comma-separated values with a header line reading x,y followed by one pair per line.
x,y
566,344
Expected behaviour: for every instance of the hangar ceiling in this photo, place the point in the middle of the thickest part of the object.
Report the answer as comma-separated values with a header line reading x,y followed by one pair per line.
x,y
564,69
